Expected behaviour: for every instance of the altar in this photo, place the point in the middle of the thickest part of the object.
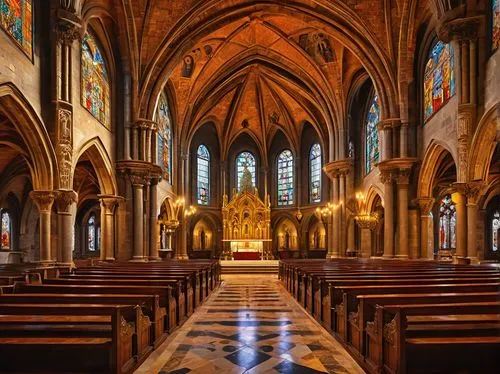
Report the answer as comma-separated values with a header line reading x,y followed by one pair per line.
x,y
246,223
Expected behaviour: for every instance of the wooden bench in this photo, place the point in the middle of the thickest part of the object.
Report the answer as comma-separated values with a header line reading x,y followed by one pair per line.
x,y
114,349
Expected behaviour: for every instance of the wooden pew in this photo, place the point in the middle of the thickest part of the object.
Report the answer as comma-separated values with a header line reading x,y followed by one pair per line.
x,y
153,329
166,299
470,347
114,352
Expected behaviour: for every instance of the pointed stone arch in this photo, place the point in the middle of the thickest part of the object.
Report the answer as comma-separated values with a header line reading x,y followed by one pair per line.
x,y
436,152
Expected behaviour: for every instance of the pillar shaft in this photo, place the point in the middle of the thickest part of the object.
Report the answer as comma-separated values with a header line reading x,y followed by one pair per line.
x,y
426,251
108,205
138,221
333,245
402,184
341,209
153,221
471,230
44,201
388,215
66,209
461,228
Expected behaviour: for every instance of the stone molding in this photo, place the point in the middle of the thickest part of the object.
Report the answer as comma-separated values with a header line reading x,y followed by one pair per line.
x,y
64,148
461,29
339,167
139,172
388,123
43,200
145,124
65,198
109,202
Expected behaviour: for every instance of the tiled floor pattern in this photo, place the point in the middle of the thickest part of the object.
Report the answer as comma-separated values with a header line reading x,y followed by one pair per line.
x,y
250,325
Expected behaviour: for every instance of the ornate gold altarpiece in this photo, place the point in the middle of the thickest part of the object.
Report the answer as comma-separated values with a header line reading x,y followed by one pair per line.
x,y
247,224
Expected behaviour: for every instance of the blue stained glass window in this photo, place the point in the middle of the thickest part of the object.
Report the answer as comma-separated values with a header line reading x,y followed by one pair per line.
x,y
16,18
203,161
372,148
439,78
285,178
447,224
95,87
6,231
315,173
245,159
164,138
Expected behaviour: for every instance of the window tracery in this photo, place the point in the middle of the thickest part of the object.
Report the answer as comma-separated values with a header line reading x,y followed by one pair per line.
x,y
315,173
6,231
285,178
95,86
439,78
164,138
447,224
245,160
203,165
372,145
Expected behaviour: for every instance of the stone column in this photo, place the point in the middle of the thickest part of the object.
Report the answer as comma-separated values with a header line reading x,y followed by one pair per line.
x,y
341,212
108,205
473,192
138,197
386,178
44,201
333,248
461,228
66,209
402,183
153,221
426,251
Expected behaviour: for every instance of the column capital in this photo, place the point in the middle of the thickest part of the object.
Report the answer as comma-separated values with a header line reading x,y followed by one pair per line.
x,y
145,124
339,167
461,29
386,176
68,29
473,190
138,172
109,202
65,198
425,204
43,199
403,177
388,123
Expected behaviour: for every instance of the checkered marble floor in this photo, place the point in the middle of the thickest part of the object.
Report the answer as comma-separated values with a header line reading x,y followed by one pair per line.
x,y
250,325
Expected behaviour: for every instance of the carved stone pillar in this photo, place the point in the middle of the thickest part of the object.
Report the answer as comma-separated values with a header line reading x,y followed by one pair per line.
x,y
402,184
426,250
138,182
341,212
386,178
108,205
461,228
153,220
473,192
44,200
334,233
66,210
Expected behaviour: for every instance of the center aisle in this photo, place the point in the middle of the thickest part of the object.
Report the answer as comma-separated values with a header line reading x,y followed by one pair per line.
x,y
250,325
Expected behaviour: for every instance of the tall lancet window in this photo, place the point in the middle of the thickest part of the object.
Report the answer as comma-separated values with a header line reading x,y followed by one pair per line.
x,y
447,224
315,173
164,138
439,78
495,228
16,18
203,161
93,234
372,145
285,178
6,231
95,87
245,160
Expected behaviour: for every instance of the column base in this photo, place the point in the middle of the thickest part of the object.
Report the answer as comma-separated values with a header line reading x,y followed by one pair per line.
x,y
70,264
109,259
387,257
473,260
154,258
182,257
402,257
46,262
333,255
138,259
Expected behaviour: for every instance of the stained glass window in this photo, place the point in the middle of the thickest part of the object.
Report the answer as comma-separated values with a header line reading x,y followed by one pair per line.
x,y
16,18
447,224
315,173
372,120
285,178
495,228
495,24
96,97
164,138
203,175
6,230
439,78
91,234
245,160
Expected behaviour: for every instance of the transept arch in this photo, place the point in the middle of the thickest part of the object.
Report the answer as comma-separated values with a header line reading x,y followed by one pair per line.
x,y
436,152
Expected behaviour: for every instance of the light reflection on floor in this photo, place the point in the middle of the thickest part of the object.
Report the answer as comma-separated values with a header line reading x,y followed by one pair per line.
x,y
250,325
